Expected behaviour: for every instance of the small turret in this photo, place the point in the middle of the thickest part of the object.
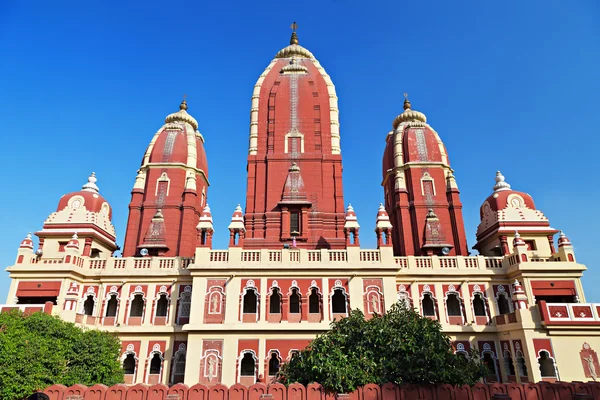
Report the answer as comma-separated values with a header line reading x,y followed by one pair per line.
x,y
351,228
519,297
73,244
205,228
27,243
565,248
383,228
237,230
155,239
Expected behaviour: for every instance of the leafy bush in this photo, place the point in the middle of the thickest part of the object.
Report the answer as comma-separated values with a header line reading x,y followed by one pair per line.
x,y
38,350
400,346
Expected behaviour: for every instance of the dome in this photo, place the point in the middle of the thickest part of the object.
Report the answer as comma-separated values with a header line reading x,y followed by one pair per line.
x,y
85,206
506,207
88,197
504,197
178,141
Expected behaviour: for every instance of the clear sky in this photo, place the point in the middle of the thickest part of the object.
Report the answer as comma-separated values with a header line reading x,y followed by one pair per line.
x,y
511,85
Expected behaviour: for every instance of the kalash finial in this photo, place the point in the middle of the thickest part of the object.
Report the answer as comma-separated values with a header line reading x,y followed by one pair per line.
x,y
407,105
294,38
183,105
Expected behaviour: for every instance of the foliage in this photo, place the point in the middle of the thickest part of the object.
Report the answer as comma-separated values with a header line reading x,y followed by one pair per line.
x,y
400,346
38,350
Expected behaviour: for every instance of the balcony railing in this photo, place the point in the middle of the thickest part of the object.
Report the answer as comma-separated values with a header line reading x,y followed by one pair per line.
x,y
569,313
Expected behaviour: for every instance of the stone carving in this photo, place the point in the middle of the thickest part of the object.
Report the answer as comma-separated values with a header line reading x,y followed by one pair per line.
x,y
589,361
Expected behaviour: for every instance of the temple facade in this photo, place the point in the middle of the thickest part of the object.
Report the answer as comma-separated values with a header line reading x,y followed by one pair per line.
x,y
186,312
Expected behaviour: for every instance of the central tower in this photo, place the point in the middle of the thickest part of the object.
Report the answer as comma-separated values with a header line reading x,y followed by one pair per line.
x,y
294,193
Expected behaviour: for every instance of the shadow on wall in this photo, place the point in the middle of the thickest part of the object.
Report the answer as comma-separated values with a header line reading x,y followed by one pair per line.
x,y
314,391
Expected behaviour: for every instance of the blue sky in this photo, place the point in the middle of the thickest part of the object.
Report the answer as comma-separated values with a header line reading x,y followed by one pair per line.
x,y
510,85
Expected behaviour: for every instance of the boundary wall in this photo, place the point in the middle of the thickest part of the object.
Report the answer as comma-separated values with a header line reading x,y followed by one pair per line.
x,y
314,391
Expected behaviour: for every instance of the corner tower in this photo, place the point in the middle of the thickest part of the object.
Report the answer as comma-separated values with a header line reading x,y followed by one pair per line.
x,y
170,191
421,195
294,159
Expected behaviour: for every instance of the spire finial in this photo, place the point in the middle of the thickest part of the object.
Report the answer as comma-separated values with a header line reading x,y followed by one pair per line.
x,y
407,105
91,186
500,182
183,105
294,38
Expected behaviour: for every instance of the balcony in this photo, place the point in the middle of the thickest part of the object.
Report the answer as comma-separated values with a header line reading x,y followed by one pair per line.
x,y
569,314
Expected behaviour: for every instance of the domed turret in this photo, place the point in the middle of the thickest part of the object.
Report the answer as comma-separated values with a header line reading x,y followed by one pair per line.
x,y
417,177
173,177
80,216
507,211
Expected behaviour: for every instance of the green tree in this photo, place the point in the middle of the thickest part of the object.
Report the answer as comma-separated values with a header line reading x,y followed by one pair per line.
x,y
400,346
39,350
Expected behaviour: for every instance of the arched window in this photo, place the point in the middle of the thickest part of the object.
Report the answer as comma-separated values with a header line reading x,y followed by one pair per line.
x,y
250,301
314,302
428,305
129,364
247,366
273,364
179,367
490,363
185,303
453,305
509,366
547,368
155,364
137,306
275,302
88,305
111,306
162,306
463,355
503,304
294,302
404,300
479,305
338,302
521,364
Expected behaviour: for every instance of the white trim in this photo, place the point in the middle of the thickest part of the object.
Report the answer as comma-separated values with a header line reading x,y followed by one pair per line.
x,y
137,291
208,354
149,361
268,359
135,359
485,304
452,290
155,303
539,356
426,290
380,304
491,352
249,286
107,298
241,357
87,294
344,293
215,290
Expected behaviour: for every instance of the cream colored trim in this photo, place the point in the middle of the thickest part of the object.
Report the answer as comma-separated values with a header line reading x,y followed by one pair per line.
x,y
293,135
253,146
333,106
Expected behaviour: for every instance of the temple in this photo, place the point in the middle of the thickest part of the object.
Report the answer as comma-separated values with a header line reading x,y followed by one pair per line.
x,y
186,312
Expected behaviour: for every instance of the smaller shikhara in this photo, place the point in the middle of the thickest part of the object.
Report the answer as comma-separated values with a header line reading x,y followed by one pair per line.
x,y
399,347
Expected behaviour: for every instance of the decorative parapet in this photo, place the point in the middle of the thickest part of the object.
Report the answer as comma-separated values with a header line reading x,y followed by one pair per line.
x,y
28,308
569,313
355,257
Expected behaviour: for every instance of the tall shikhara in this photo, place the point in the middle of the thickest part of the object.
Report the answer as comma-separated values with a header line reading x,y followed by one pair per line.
x,y
294,193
